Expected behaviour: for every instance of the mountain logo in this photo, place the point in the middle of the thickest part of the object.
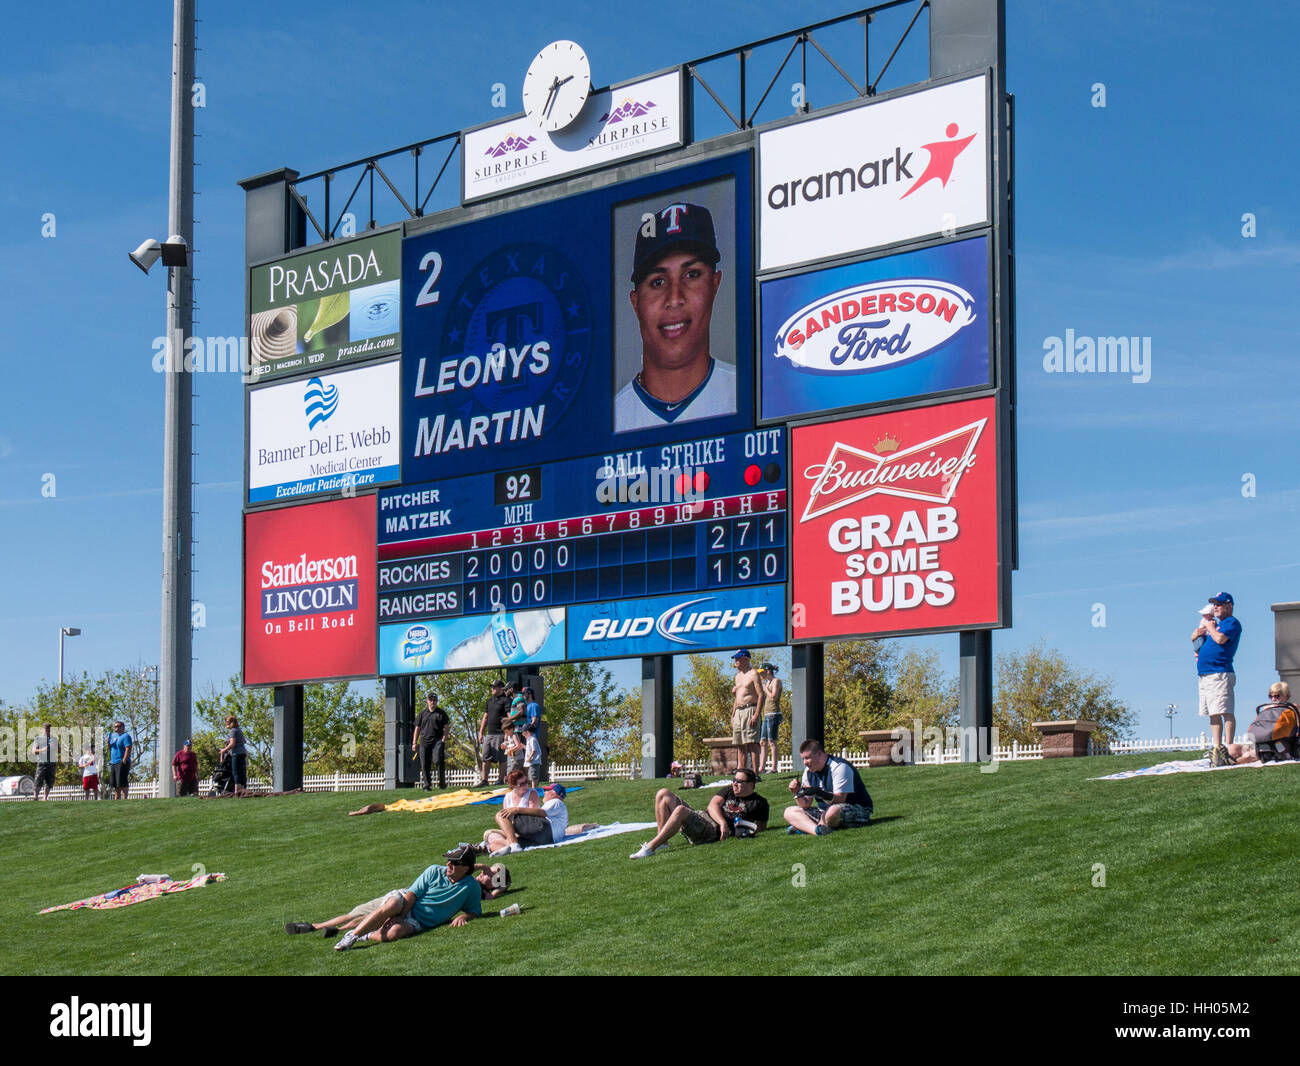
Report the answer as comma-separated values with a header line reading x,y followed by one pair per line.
x,y
510,144
628,109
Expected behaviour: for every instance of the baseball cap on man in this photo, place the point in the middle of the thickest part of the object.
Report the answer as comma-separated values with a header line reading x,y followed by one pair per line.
x,y
742,654
1221,599
679,226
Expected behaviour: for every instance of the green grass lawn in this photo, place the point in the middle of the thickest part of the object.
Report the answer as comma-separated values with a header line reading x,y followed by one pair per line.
x,y
963,872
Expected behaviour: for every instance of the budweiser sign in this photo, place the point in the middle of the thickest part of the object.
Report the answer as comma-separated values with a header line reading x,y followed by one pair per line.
x,y
929,471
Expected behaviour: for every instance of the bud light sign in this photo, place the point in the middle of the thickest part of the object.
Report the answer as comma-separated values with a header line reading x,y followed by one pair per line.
x,y
886,329
896,523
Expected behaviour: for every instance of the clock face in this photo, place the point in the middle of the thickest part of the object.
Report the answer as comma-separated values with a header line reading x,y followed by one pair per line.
x,y
556,85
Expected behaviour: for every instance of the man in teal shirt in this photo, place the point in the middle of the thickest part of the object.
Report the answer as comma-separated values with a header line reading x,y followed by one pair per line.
x,y
434,899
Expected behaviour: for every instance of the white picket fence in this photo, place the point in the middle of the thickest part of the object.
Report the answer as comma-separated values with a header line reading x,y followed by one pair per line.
x,y
631,771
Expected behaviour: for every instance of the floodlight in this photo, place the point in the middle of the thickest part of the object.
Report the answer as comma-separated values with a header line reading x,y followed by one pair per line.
x,y
147,254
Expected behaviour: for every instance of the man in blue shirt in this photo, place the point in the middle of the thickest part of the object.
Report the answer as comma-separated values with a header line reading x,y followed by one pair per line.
x,y
1215,679
119,760
432,900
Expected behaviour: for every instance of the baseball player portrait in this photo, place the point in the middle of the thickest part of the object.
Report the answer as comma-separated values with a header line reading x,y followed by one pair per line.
x,y
676,274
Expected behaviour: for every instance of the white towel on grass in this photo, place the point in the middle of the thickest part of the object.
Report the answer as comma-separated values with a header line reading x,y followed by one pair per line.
x,y
612,830
1184,766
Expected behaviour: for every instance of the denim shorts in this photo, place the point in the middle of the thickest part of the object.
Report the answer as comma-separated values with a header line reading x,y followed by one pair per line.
x,y
770,727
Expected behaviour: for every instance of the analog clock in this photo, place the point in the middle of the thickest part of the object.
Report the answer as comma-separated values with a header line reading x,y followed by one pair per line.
x,y
556,85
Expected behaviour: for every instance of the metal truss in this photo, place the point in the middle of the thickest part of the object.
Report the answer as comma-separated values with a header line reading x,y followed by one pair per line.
x,y
400,168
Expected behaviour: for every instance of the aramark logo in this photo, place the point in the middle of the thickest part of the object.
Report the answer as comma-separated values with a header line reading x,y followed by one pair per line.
x,y
880,324
103,1019
321,402
510,144
628,109
874,173
929,471
675,623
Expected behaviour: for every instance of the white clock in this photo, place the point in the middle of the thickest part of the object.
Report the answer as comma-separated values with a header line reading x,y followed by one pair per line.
x,y
557,85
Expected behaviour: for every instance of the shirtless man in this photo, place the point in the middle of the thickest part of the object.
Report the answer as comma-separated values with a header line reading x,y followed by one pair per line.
x,y
746,700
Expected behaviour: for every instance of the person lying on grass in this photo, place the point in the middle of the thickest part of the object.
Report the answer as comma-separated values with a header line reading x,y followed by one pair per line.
x,y
829,796
439,896
735,810
494,881
531,827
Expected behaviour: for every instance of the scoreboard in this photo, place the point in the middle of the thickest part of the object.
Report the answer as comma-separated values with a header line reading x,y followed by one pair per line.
x,y
745,394
662,524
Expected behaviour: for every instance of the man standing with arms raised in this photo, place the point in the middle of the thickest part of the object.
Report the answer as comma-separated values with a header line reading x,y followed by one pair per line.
x,y
1215,678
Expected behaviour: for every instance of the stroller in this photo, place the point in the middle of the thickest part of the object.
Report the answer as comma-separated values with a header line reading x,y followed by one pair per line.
x,y
1276,731
223,777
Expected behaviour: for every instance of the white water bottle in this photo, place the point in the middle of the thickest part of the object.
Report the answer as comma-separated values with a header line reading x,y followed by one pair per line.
x,y
507,639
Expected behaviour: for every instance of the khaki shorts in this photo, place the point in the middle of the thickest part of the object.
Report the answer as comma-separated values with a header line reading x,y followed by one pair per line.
x,y
1216,694
742,732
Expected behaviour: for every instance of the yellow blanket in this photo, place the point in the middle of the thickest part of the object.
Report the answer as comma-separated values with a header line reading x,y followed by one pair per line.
x,y
446,801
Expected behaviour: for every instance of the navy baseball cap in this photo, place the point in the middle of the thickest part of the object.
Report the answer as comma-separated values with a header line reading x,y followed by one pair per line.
x,y
742,654
1221,598
557,789
677,226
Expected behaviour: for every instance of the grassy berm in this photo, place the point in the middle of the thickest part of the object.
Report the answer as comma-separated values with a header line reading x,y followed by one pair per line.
x,y
1033,869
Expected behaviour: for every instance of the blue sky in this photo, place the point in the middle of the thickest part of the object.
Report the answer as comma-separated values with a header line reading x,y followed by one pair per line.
x,y
1129,222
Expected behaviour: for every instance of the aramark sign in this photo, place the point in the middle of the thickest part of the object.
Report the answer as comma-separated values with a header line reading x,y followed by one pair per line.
x,y
665,624
909,167
324,434
615,125
891,328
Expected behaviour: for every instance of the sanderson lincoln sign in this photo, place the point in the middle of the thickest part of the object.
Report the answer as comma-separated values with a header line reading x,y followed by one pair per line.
x,y
615,125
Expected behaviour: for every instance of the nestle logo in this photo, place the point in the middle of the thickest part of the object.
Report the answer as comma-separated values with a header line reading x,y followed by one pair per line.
x,y
874,326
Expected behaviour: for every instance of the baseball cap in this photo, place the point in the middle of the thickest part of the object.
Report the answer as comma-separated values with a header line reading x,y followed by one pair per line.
x,y
498,684
463,855
517,699
678,225
556,788
1207,609
430,694
1221,599
742,654
770,666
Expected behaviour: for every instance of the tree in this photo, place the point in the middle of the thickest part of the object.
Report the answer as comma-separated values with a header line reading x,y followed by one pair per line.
x,y
581,711
1041,685
81,712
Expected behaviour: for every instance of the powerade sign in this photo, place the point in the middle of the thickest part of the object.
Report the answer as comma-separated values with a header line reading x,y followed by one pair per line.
x,y
682,623
892,328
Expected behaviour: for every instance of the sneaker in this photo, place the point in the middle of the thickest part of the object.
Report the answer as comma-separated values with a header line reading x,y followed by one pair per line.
x,y
299,927
329,931
643,852
346,941
822,830
791,831
507,849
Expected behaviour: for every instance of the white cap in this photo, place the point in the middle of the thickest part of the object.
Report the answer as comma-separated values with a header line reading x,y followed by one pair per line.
x,y
1207,609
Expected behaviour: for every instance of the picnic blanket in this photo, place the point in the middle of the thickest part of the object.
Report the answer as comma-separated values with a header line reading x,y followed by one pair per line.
x,y
498,799
134,893
463,798
1185,766
612,830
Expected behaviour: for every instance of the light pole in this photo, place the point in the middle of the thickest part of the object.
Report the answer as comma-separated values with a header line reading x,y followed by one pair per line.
x,y
65,631
1170,711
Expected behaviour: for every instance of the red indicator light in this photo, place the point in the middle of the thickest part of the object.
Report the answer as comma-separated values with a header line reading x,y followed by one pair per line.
x,y
753,475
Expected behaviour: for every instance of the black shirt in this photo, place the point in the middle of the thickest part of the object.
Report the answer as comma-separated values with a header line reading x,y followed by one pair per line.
x,y
752,808
498,709
432,725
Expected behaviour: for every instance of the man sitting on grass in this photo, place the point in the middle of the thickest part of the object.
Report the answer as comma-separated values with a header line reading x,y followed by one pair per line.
x,y
529,827
494,881
830,795
434,899
737,806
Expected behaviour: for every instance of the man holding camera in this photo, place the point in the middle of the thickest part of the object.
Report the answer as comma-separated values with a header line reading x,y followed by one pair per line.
x,y
736,810
829,796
